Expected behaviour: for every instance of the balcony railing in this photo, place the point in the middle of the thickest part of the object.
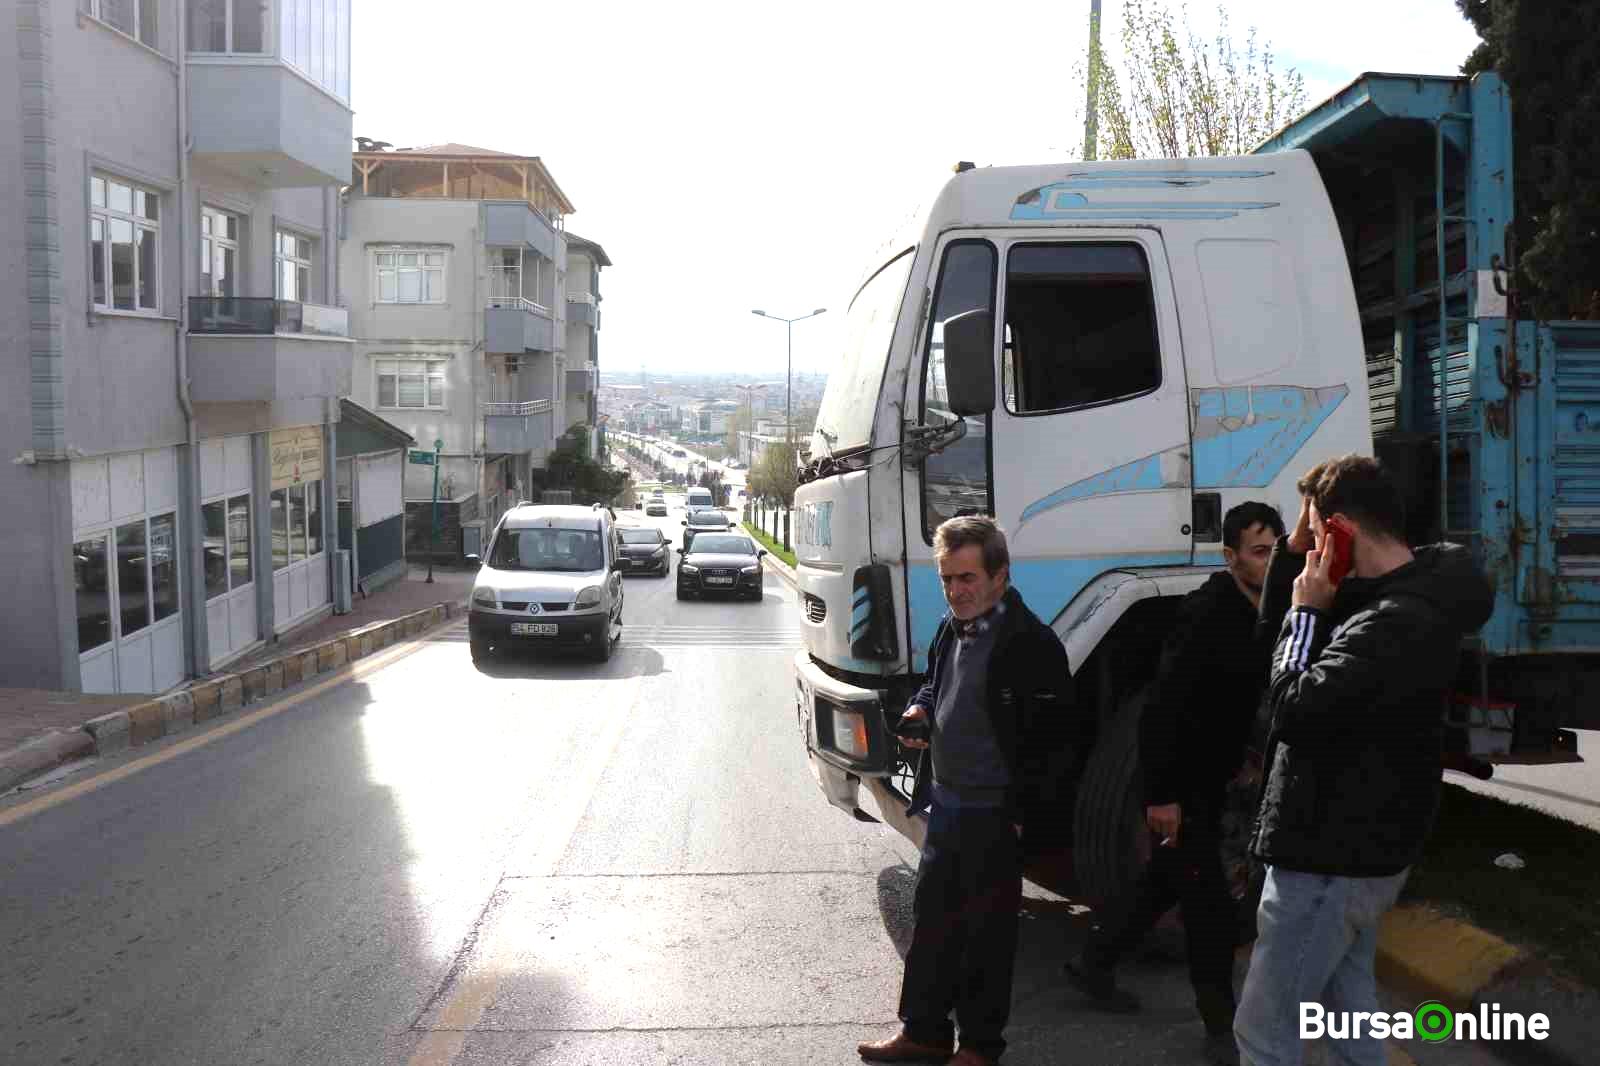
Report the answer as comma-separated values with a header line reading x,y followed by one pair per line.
x,y
529,407
580,298
521,303
263,315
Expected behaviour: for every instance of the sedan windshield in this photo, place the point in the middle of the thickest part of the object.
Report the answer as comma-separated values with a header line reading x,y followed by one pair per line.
x,y
715,544
641,536
573,551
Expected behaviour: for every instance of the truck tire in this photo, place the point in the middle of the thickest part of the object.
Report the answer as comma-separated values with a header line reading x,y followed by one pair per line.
x,y
1111,843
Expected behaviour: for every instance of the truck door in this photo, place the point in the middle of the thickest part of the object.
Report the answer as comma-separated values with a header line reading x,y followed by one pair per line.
x,y
1090,432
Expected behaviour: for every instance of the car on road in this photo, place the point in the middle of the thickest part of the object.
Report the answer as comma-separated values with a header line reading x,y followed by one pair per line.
x,y
552,578
708,521
645,550
720,563
656,508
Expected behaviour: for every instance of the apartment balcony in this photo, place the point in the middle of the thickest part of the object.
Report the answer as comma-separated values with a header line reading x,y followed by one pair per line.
x,y
518,428
516,324
580,381
583,310
514,223
257,350
256,118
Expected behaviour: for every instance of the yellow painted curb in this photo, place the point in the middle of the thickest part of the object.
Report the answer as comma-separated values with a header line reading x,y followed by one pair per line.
x,y
1441,957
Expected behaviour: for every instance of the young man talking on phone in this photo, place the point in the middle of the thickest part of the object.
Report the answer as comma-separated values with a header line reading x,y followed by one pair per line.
x,y
989,722
1368,645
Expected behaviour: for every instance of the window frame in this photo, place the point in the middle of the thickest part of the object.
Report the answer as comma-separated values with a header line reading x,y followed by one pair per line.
x,y
422,268
94,8
280,257
212,241
105,215
227,500
1007,362
268,29
107,535
429,367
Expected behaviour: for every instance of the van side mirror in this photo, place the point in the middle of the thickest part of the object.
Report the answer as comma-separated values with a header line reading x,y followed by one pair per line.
x,y
473,559
969,362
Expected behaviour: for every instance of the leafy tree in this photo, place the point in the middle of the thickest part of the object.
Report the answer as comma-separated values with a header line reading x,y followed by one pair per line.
x,y
1548,52
569,467
1173,97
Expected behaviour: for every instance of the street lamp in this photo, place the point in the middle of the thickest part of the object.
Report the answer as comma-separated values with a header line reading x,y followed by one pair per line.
x,y
788,385
750,408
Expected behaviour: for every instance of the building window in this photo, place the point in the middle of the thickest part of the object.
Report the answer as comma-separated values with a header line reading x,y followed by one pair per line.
x,y
141,590
293,510
411,383
227,549
292,259
238,26
91,576
136,18
316,41
410,276
124,243
219,252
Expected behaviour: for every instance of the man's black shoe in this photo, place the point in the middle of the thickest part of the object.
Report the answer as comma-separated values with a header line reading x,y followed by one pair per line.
x,y
1100,987
1221,1050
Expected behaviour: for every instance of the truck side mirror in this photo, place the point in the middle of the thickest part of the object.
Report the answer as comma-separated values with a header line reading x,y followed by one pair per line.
x,y
969,362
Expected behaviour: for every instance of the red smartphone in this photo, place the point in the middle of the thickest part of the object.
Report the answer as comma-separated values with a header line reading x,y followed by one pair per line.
x,y
1338,549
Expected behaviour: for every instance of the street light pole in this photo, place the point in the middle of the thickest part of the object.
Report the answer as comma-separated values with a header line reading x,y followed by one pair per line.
x,y
788,385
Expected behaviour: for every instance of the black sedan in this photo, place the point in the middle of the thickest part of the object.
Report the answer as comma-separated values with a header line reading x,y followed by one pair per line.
x,y
722,563
708,521
644,550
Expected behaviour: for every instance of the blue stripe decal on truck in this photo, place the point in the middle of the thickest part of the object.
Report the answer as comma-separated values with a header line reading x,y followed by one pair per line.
x,y
1245,436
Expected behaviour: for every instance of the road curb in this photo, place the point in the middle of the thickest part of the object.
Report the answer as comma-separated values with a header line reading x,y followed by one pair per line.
x,y
1431,955
213,697
783,570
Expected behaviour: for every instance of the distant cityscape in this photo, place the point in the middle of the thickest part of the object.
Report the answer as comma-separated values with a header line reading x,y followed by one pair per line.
x,y
734,416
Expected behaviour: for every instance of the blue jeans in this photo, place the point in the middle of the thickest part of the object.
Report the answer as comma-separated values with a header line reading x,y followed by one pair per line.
x,y
1317,937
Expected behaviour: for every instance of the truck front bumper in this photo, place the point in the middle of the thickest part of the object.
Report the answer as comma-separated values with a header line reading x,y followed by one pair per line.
x,y
843,729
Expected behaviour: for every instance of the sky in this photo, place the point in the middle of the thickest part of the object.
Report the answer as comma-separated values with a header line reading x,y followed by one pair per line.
x,y
732,156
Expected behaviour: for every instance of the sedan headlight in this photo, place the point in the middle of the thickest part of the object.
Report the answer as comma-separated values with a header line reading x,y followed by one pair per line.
x,y
485,598
751,569
688,568
659,552
589,597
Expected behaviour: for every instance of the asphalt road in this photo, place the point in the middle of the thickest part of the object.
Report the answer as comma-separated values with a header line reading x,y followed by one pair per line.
x,y
544,861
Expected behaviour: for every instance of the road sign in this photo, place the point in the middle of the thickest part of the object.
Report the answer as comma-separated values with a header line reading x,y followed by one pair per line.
x,y
421,458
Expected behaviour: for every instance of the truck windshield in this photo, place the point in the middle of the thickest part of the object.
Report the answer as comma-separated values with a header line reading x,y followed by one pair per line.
x,y
559,550
852,394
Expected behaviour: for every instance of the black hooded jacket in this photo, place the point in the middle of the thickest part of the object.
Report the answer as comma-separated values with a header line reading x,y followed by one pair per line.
x,y
1356,699
1193,732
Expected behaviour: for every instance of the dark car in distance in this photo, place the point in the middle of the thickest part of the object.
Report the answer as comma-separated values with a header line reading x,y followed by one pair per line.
x,y
706,521
644,551
722,563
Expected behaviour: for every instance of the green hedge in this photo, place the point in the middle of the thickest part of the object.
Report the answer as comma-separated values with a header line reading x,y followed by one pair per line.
x,y
768,543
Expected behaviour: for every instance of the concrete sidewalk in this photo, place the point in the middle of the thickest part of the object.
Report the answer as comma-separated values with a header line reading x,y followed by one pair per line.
x,y
40,730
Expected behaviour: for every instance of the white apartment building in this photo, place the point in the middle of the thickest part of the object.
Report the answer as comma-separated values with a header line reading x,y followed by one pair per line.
x,y
171,302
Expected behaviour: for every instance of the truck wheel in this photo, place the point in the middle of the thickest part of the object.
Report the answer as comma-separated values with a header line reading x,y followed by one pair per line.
x,y
1111,843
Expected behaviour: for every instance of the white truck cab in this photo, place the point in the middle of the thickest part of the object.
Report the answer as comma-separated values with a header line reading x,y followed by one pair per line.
x,y
1106,357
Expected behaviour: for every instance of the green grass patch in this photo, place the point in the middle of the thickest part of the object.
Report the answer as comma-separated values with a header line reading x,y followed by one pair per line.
x,y
1550,907
768,543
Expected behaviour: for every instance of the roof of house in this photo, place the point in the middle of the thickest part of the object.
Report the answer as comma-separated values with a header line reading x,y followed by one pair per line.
x,y
452,150
592,247
358,416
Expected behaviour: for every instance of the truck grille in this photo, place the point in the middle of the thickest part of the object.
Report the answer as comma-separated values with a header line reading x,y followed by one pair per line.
x,y
816,609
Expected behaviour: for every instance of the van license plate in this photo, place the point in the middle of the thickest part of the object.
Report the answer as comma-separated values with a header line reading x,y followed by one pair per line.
x,y
534,629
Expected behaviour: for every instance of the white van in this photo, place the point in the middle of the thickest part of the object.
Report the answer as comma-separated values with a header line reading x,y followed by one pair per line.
x,y
699,499
550,579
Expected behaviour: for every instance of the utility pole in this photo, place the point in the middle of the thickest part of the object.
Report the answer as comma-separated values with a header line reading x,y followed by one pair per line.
x,y
1091,114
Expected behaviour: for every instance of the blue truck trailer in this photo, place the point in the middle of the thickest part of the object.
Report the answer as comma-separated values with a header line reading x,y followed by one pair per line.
x,y
1419,172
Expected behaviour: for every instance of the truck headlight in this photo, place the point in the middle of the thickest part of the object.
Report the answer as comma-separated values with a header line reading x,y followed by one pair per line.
x,y
850,733
589,597
484,598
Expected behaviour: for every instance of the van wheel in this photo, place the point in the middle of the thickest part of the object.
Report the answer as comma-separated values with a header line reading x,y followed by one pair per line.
x,y
1112,843
602,654
480,650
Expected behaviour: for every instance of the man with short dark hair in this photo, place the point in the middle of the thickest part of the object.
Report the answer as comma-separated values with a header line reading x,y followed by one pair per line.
x,y
1356,696
994,707
1192,738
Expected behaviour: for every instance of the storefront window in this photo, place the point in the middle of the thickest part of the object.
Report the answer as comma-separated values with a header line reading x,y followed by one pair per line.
x,y
164,565
133,581
297,524
94,592
240,535
214,516
313,517
280,529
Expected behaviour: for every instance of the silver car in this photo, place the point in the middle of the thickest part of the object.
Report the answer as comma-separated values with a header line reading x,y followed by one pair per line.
x,y
551,579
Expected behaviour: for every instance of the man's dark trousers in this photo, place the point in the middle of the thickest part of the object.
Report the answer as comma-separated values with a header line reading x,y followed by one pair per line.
x,y
964,942
1190,875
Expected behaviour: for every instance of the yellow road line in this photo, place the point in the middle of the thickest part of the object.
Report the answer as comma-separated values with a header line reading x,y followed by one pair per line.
x,y
353,672
476,988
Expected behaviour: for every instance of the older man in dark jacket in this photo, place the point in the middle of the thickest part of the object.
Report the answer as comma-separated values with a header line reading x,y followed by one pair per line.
x,y
994,712
1359,679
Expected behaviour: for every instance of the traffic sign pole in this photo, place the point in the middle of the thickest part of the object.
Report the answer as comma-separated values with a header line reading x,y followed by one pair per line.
x,y
433,521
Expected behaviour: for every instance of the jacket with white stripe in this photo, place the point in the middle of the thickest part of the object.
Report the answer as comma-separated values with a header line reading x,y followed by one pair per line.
x,y
1355,697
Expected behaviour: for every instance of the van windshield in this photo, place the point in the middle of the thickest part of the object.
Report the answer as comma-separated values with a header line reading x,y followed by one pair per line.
x,y
845,418
573,551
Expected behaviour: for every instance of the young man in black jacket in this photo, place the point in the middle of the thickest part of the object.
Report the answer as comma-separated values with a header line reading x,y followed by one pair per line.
x,y
995,705
1359,679
1192,739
